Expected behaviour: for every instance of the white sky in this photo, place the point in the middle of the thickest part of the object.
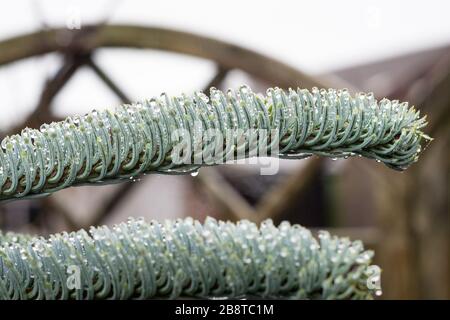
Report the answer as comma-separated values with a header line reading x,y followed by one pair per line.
x,y
314,36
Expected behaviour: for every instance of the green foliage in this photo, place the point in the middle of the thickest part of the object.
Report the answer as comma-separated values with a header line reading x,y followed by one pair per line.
x,y
104,147
185,258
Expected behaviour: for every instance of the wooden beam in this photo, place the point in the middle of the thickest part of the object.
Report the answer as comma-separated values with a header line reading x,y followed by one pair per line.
x,y
283,194
89,38
225,195
115,88
42,112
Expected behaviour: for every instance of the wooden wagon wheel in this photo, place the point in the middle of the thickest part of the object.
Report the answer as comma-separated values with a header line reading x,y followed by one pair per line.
x,y
88,39
77,48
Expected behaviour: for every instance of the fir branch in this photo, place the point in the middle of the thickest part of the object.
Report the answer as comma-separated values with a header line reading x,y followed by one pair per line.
x,y
185,258
105,147
14,237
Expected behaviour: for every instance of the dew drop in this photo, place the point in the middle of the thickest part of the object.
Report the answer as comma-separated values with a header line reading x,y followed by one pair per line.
x,y
194,174
284,253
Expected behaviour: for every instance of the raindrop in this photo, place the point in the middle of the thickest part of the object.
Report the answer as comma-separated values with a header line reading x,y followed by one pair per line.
x,y
194,174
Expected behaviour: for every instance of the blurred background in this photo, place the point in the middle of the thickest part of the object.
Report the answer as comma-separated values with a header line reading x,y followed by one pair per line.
x,y
59,58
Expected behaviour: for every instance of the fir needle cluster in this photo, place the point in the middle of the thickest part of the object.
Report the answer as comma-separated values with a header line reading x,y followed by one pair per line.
x,y
106,147
184,258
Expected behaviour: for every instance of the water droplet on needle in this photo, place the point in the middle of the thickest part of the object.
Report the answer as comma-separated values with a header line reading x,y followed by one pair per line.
x,y
194,174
